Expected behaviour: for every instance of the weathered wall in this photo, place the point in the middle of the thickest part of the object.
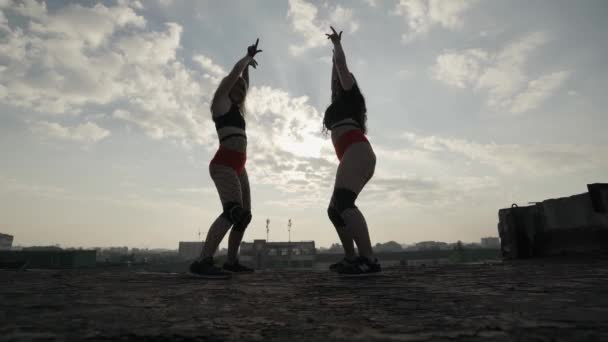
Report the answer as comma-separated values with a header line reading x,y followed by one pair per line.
x,y
575,224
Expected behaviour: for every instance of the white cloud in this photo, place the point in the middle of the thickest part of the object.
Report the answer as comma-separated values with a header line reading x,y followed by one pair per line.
x,y
371,3
151,48
214,71
505,74
63,73
507,159
93,25
135,75
286,145
538,91
422,16
305,20
58,63
87,133
303,17
502,75
460,69
30,8
343,17
12,185
3,21
208,65
165,2
416,191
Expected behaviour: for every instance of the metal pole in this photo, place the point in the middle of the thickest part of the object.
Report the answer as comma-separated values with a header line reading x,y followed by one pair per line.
x,y
267,229
289,243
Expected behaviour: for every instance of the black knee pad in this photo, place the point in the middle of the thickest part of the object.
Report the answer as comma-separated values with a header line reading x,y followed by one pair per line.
x,y
235,213
335,218
245,218
344,199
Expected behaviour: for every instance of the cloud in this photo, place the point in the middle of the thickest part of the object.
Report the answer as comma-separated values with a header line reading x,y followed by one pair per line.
x,y
56,63
110,59
92,25
305,21
444,172
422,16
427,192
371,3
87,133
209,66
12,185
460,69
213,72
343,17
151,48
135,74
508,159
501,75
286,148
538,91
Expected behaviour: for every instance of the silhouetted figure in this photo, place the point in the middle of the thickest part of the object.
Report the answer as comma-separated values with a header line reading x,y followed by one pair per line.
x,y
227,169
346,119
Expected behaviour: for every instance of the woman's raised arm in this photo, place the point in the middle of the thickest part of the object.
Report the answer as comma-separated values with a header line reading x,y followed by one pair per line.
x,y
346,79
241,66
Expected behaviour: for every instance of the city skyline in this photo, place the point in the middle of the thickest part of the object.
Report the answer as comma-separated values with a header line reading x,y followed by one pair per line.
x,y
473,105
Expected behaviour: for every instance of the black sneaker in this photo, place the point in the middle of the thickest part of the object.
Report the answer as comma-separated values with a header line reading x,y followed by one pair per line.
x,y
361,267
206,269
237,268
342,263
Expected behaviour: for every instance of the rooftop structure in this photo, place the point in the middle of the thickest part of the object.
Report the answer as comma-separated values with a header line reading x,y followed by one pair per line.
x,y
263,254
6,241
190,250
575,224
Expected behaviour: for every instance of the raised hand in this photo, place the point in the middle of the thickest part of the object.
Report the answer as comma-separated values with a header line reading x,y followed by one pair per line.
x,y
252,50
253,63
334,36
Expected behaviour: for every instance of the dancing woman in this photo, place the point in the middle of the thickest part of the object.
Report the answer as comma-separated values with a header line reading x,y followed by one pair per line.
x,y
346,119
227,169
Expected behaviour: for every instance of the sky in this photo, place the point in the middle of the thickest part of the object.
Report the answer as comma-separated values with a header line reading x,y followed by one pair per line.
x,y
106,133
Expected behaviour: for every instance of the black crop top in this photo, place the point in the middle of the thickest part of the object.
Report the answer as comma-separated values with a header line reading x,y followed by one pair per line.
x,y
346,106
233,118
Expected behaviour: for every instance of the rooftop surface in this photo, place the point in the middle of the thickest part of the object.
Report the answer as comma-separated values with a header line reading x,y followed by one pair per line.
x,y
531,301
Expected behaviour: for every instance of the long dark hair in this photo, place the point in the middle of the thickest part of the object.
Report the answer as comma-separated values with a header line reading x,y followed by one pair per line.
x,y
345,104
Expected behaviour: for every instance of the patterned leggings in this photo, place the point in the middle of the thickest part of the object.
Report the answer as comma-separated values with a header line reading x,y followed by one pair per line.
x,y
355,170
232,187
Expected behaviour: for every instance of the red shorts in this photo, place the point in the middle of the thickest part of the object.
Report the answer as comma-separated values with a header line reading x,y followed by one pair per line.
x,y
347,139
231,158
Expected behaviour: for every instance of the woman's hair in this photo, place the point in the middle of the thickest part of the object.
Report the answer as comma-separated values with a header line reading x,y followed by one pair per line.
x,y
346,104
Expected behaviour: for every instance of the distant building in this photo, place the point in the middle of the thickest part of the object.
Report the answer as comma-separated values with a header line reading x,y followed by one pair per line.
x,y
490,242
116,250
390,246
431,245
37,258
113,254
43,248
262,254
6,241
190,250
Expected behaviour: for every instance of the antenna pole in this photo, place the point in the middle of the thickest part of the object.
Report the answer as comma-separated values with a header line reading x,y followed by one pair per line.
x,y
267,229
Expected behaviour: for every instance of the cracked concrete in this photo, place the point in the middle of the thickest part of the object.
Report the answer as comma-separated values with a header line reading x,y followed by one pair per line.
x,y
526,301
